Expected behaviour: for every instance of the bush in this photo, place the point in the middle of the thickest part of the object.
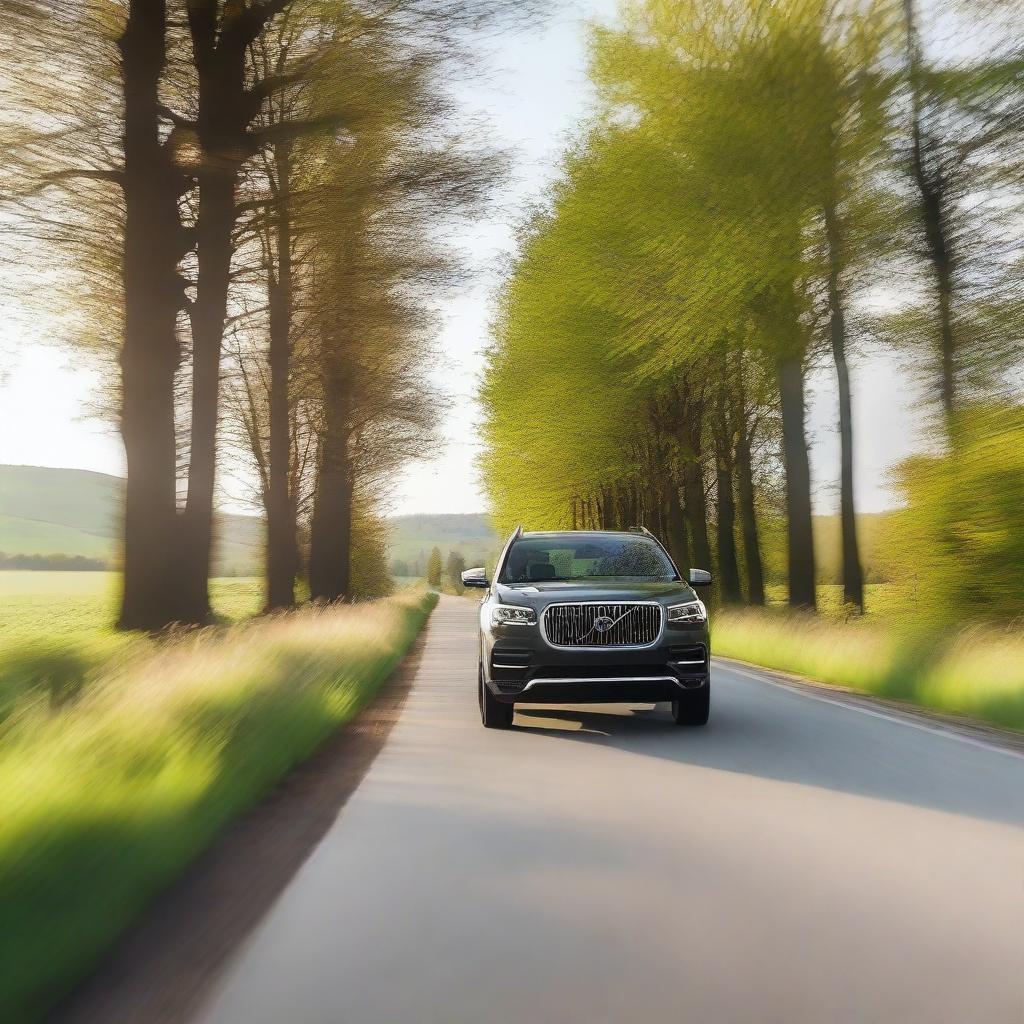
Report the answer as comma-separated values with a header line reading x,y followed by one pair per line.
x,y
958,545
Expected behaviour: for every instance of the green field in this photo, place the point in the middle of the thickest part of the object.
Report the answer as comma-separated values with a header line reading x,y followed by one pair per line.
x,y
70,605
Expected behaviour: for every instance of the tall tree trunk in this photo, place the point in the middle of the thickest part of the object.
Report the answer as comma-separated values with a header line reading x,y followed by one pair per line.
x,y
799,524
853,576
697,513
219,41
282,527
748,517
678,542
728,568
150,352
330,540
213,236
725,524
934,212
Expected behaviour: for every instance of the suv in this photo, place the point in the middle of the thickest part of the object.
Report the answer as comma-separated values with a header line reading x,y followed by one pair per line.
x,y
598,617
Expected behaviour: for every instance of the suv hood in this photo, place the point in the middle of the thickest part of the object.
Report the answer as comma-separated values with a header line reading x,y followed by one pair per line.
x,y
543,593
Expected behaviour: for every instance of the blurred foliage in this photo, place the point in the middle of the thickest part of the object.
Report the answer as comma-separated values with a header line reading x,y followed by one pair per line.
x,y
371,576
957,547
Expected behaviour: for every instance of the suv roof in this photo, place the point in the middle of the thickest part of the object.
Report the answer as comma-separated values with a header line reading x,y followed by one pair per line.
x,y
586,533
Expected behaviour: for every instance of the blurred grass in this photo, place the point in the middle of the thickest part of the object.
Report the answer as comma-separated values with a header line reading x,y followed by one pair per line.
x,y
977,672
122,758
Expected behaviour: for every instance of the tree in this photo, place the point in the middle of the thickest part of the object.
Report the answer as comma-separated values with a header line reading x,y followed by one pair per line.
x,y
434,568
454,568
110,255
154,243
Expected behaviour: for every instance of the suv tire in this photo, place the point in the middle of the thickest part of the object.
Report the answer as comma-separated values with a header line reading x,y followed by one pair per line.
x,y
693,708
493,713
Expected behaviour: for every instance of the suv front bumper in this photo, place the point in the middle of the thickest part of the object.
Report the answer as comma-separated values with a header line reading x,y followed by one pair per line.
x,y
526,669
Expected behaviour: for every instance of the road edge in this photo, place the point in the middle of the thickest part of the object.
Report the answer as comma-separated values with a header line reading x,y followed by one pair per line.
x,y
162,969
957,727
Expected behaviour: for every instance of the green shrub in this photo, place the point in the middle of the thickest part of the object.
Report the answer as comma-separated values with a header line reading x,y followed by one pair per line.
x,y
958,544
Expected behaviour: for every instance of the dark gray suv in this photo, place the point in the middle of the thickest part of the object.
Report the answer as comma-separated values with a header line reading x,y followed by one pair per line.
x,y
591,617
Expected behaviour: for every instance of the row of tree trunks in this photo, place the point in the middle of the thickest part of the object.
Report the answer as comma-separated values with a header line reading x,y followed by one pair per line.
x,y
675,521
151,352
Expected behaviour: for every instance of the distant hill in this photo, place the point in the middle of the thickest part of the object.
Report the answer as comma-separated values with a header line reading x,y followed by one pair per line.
x,y
412,538
75,512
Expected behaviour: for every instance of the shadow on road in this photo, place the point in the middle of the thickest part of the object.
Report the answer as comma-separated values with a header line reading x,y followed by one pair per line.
x,y
761,730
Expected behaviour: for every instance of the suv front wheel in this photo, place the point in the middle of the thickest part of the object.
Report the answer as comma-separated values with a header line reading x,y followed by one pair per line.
x,y
493,713
693,707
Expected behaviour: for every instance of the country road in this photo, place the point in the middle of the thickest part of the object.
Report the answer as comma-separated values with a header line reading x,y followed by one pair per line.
x,y
795,861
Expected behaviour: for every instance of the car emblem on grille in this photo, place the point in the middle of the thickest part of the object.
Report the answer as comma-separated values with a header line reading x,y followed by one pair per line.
x,y
602,624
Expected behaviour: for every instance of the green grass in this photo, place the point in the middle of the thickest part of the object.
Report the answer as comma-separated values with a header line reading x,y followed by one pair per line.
x,y
978,672
74,605
121,759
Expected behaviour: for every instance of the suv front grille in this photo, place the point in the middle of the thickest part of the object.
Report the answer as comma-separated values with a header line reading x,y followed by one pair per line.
x,y
602,625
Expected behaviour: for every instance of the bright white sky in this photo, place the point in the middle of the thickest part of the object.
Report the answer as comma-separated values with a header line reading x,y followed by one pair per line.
x,y
535,101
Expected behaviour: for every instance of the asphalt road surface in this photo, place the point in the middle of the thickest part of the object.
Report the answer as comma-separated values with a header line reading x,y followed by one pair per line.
x,y
796,861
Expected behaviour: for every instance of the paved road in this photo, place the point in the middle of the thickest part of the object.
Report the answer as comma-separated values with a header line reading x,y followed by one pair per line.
x,y
797,861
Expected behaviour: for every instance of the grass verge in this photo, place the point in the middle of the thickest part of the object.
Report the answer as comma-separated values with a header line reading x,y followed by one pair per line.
x,y
978,673
119,765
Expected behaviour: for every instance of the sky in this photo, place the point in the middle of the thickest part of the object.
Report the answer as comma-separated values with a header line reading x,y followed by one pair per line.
x,y
535,95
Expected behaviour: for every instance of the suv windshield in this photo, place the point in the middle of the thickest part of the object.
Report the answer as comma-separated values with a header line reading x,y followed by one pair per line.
x,y
581,557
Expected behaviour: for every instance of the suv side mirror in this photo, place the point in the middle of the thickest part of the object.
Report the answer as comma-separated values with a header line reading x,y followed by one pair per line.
x,y
700,578
475,578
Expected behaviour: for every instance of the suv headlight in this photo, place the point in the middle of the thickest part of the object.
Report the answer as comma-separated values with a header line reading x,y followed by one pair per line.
x,y
692,611
512,614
